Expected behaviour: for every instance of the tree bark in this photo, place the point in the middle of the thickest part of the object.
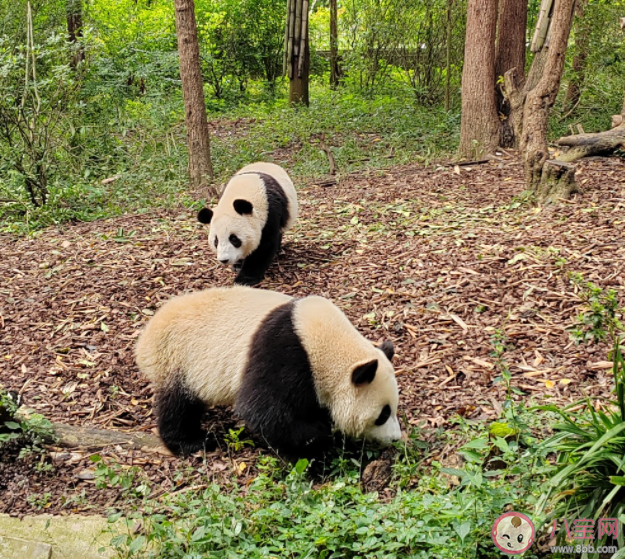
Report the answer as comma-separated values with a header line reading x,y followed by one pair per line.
x,y
541,98
479,128
74,30
297,52
582,44
198,141
334,45
509,54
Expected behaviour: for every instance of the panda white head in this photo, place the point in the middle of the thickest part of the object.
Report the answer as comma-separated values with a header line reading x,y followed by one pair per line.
x,y
373,413
235,231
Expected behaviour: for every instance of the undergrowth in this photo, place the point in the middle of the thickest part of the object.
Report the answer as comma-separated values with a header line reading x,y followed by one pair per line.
x,y
142,163
300,511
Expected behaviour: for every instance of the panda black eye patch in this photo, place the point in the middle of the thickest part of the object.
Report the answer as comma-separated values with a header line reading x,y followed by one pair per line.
x,y
384,415
216,242
235,241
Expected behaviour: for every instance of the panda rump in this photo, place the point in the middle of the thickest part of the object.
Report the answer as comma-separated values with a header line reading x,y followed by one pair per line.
x,y
292,368
256,207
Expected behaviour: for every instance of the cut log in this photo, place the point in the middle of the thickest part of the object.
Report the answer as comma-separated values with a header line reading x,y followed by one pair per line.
x,y
72,436
557,182
585,145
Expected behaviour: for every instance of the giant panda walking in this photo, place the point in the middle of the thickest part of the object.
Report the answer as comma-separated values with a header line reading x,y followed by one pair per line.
x,y
256,207
292,368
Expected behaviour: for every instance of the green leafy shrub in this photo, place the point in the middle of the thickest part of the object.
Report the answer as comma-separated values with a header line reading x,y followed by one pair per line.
x,y
589,477
27,433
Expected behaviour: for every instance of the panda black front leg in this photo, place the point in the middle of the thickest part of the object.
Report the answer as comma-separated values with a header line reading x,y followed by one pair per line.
x,y
255,266
179,420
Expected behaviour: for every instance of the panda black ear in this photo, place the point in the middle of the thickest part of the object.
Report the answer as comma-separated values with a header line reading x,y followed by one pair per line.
x,y
387,349
243,207
365,373
205,215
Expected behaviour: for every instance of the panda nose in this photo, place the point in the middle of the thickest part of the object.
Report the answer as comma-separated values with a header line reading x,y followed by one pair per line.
x,y
225,261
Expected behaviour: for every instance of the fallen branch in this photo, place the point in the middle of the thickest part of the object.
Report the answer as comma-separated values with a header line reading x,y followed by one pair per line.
x,y
72,436
330,155
585,145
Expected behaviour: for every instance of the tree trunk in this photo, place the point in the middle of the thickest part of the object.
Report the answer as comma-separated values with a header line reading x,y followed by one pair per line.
x,y
297,51
334,45
74,30
198,142
541,98
448,37
479,128
509,54
582,44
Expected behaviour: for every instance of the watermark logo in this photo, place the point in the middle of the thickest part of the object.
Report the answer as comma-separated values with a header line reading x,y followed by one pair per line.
x,y
513,533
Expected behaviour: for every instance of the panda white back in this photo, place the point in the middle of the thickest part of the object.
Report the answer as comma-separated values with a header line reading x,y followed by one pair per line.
x,y
204,337
284,181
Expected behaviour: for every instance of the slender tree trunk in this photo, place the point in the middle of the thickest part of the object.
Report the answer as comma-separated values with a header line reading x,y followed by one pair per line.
x,y
510,53
334,45
198,141
297,51
448,37
539,101
479,129
582,44
74,29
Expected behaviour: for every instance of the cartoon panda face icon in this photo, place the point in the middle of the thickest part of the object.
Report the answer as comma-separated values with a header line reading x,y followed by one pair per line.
x,y
513,533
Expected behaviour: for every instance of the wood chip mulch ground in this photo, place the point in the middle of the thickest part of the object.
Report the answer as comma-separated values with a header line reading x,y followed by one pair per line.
x,y
439,260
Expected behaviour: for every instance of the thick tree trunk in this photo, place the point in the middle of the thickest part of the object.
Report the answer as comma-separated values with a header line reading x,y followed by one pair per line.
x,y
334,45
297,51
74,29
541,98
479,129
509,54
582,44
200,166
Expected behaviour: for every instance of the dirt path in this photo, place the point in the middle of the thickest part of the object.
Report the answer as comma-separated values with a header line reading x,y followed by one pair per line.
x,y
437,261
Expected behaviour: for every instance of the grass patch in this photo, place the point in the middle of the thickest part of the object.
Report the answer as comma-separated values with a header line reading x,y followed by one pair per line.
x,y
144,159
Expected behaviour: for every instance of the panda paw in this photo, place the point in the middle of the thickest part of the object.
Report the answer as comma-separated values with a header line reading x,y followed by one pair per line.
x,y
247,280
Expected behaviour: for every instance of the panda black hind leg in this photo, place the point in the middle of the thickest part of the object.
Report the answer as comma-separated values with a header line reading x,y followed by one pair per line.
x,y
179,418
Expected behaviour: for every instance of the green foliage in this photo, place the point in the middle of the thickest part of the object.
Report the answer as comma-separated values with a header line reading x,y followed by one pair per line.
x,y
234,441
590,442
600,318
240,40
283,513
29,432
38,93
130,481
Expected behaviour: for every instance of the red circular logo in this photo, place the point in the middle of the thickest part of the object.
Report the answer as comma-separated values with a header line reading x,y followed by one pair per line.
x,y
513,533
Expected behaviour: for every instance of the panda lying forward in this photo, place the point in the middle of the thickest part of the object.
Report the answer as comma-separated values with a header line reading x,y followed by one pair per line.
x,y
256,207
292,368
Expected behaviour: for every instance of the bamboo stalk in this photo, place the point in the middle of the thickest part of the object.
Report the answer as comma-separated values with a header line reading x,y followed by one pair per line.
x,y
285,55
297,34
291,38
303,39
542,25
